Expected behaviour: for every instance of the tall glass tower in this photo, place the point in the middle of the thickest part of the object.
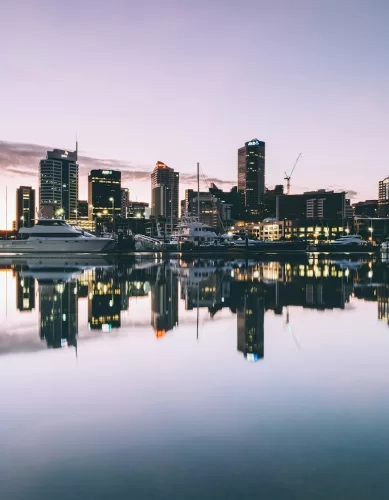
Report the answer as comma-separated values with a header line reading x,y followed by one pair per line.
x,y
58,182
251,175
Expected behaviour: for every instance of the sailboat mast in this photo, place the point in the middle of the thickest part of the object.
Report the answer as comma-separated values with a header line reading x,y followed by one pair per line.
x,y
198,191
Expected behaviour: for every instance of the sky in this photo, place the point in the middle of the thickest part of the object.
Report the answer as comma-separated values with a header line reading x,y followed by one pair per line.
x,y
184,81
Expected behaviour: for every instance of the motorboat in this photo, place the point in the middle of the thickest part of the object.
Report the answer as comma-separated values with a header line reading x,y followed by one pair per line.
x,y
349,239
56,236
191,230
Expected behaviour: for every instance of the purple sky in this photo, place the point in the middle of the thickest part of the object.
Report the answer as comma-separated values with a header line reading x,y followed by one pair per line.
x,y
186,81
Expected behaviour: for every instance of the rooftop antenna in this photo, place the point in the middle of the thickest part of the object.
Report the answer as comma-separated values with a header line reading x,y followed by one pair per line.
x,y
76,147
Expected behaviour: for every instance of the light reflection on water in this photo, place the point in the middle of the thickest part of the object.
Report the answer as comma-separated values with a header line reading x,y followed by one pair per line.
x,y
212,379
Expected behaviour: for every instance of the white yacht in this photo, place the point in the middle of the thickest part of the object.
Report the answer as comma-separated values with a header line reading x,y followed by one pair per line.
x,y
191,230
55,236
349,239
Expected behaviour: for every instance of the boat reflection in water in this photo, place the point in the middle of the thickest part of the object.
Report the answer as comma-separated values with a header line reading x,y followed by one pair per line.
x,y
53,288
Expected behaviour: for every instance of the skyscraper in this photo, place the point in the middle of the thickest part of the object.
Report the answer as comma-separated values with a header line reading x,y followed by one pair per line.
x,y
25,207
104,193
251,175
164,192
58,182
383,198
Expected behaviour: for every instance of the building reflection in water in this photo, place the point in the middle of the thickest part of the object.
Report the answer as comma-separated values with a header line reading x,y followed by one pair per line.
x,y
248,289
250,323
25,292
104,300
58,306
164,302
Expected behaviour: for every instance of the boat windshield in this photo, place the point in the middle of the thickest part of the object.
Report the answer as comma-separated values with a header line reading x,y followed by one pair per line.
x,y
51,222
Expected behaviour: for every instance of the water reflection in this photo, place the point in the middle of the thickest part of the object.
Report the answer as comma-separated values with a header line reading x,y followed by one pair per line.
x,y
244,288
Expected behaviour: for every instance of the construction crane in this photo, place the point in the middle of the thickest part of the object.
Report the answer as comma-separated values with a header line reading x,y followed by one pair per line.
x,y
287,177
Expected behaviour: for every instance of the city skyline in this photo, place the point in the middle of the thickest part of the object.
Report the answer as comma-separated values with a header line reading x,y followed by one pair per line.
x,y
326,98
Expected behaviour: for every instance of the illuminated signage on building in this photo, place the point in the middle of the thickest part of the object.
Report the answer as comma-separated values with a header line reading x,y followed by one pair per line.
x,y
107,172
253,143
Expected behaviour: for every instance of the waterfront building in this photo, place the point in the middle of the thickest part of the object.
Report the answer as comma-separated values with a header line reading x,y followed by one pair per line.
x,y
137,209
312,205
213,211
104,194
125,200
368,208
251,176
383,198
164,192
25,207
58,182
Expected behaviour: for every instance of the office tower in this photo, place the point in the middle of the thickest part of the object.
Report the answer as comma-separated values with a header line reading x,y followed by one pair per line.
x,y
25,207
383,198
58,182
164,192
250,323
125,200
25,292
104,193
251,175
58,305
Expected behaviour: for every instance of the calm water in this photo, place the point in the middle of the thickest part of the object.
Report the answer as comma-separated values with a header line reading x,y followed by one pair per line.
x,y
174,380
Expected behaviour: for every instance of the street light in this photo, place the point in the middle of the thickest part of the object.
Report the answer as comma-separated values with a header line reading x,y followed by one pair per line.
x,y
76,212
113,213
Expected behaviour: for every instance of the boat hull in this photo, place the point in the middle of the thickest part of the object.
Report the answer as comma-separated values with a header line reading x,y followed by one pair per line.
x,y
58,245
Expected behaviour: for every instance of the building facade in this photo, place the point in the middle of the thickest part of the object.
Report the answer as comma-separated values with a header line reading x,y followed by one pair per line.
x,y
104,194
164,192
383,198
312,205
251,176
213,211
58,182
125,200
368,208
25,207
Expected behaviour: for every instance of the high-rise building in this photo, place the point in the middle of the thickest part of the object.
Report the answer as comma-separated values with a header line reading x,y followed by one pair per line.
x,y
25,207
251,175
104,193
164,192
125,200
383,198
58,182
